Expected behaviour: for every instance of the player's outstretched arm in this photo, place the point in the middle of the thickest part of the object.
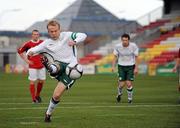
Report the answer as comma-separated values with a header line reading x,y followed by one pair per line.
x,y
36,50
29,53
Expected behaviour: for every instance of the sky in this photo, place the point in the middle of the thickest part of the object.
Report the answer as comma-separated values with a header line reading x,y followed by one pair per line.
x,y
18,15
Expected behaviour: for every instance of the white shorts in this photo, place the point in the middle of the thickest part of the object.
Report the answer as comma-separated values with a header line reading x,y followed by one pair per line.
x,y
35,74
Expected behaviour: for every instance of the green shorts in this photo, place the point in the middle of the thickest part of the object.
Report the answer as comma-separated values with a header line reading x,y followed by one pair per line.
x,y
68,82
126,72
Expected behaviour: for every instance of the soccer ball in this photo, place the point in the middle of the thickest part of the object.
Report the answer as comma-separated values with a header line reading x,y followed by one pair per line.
x,y
74,71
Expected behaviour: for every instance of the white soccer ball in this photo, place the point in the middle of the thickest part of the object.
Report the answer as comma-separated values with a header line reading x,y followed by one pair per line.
x,y
74,71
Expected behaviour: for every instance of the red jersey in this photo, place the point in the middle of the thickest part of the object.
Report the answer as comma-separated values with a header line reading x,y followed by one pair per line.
x,y
179,53
37,64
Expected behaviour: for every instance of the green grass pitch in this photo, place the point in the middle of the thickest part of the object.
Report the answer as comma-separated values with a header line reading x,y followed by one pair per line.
x,y
91,103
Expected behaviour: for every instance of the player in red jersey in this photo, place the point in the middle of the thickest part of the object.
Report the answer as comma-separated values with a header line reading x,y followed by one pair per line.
x,y
37,73
177,67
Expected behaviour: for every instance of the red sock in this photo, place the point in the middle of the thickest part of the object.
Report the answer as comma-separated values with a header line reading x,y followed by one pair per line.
x,y
39,88
32,91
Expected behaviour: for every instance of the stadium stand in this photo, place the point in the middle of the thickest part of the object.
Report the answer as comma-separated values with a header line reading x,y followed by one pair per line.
x,y
152,25
159,51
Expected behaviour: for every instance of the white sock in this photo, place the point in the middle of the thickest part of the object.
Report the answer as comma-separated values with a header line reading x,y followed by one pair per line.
x,y
52,106
119,90
130,93
54,68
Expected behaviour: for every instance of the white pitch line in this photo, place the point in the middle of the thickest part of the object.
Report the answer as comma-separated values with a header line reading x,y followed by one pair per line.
x,y
81,103
48,103
105,115
96,106
121,115
20,103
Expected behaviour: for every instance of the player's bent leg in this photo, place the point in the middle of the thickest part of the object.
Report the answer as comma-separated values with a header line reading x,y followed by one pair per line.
x,y
120,88
130,79
59,90
121,82
54,70
129,91
52,67
64,83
